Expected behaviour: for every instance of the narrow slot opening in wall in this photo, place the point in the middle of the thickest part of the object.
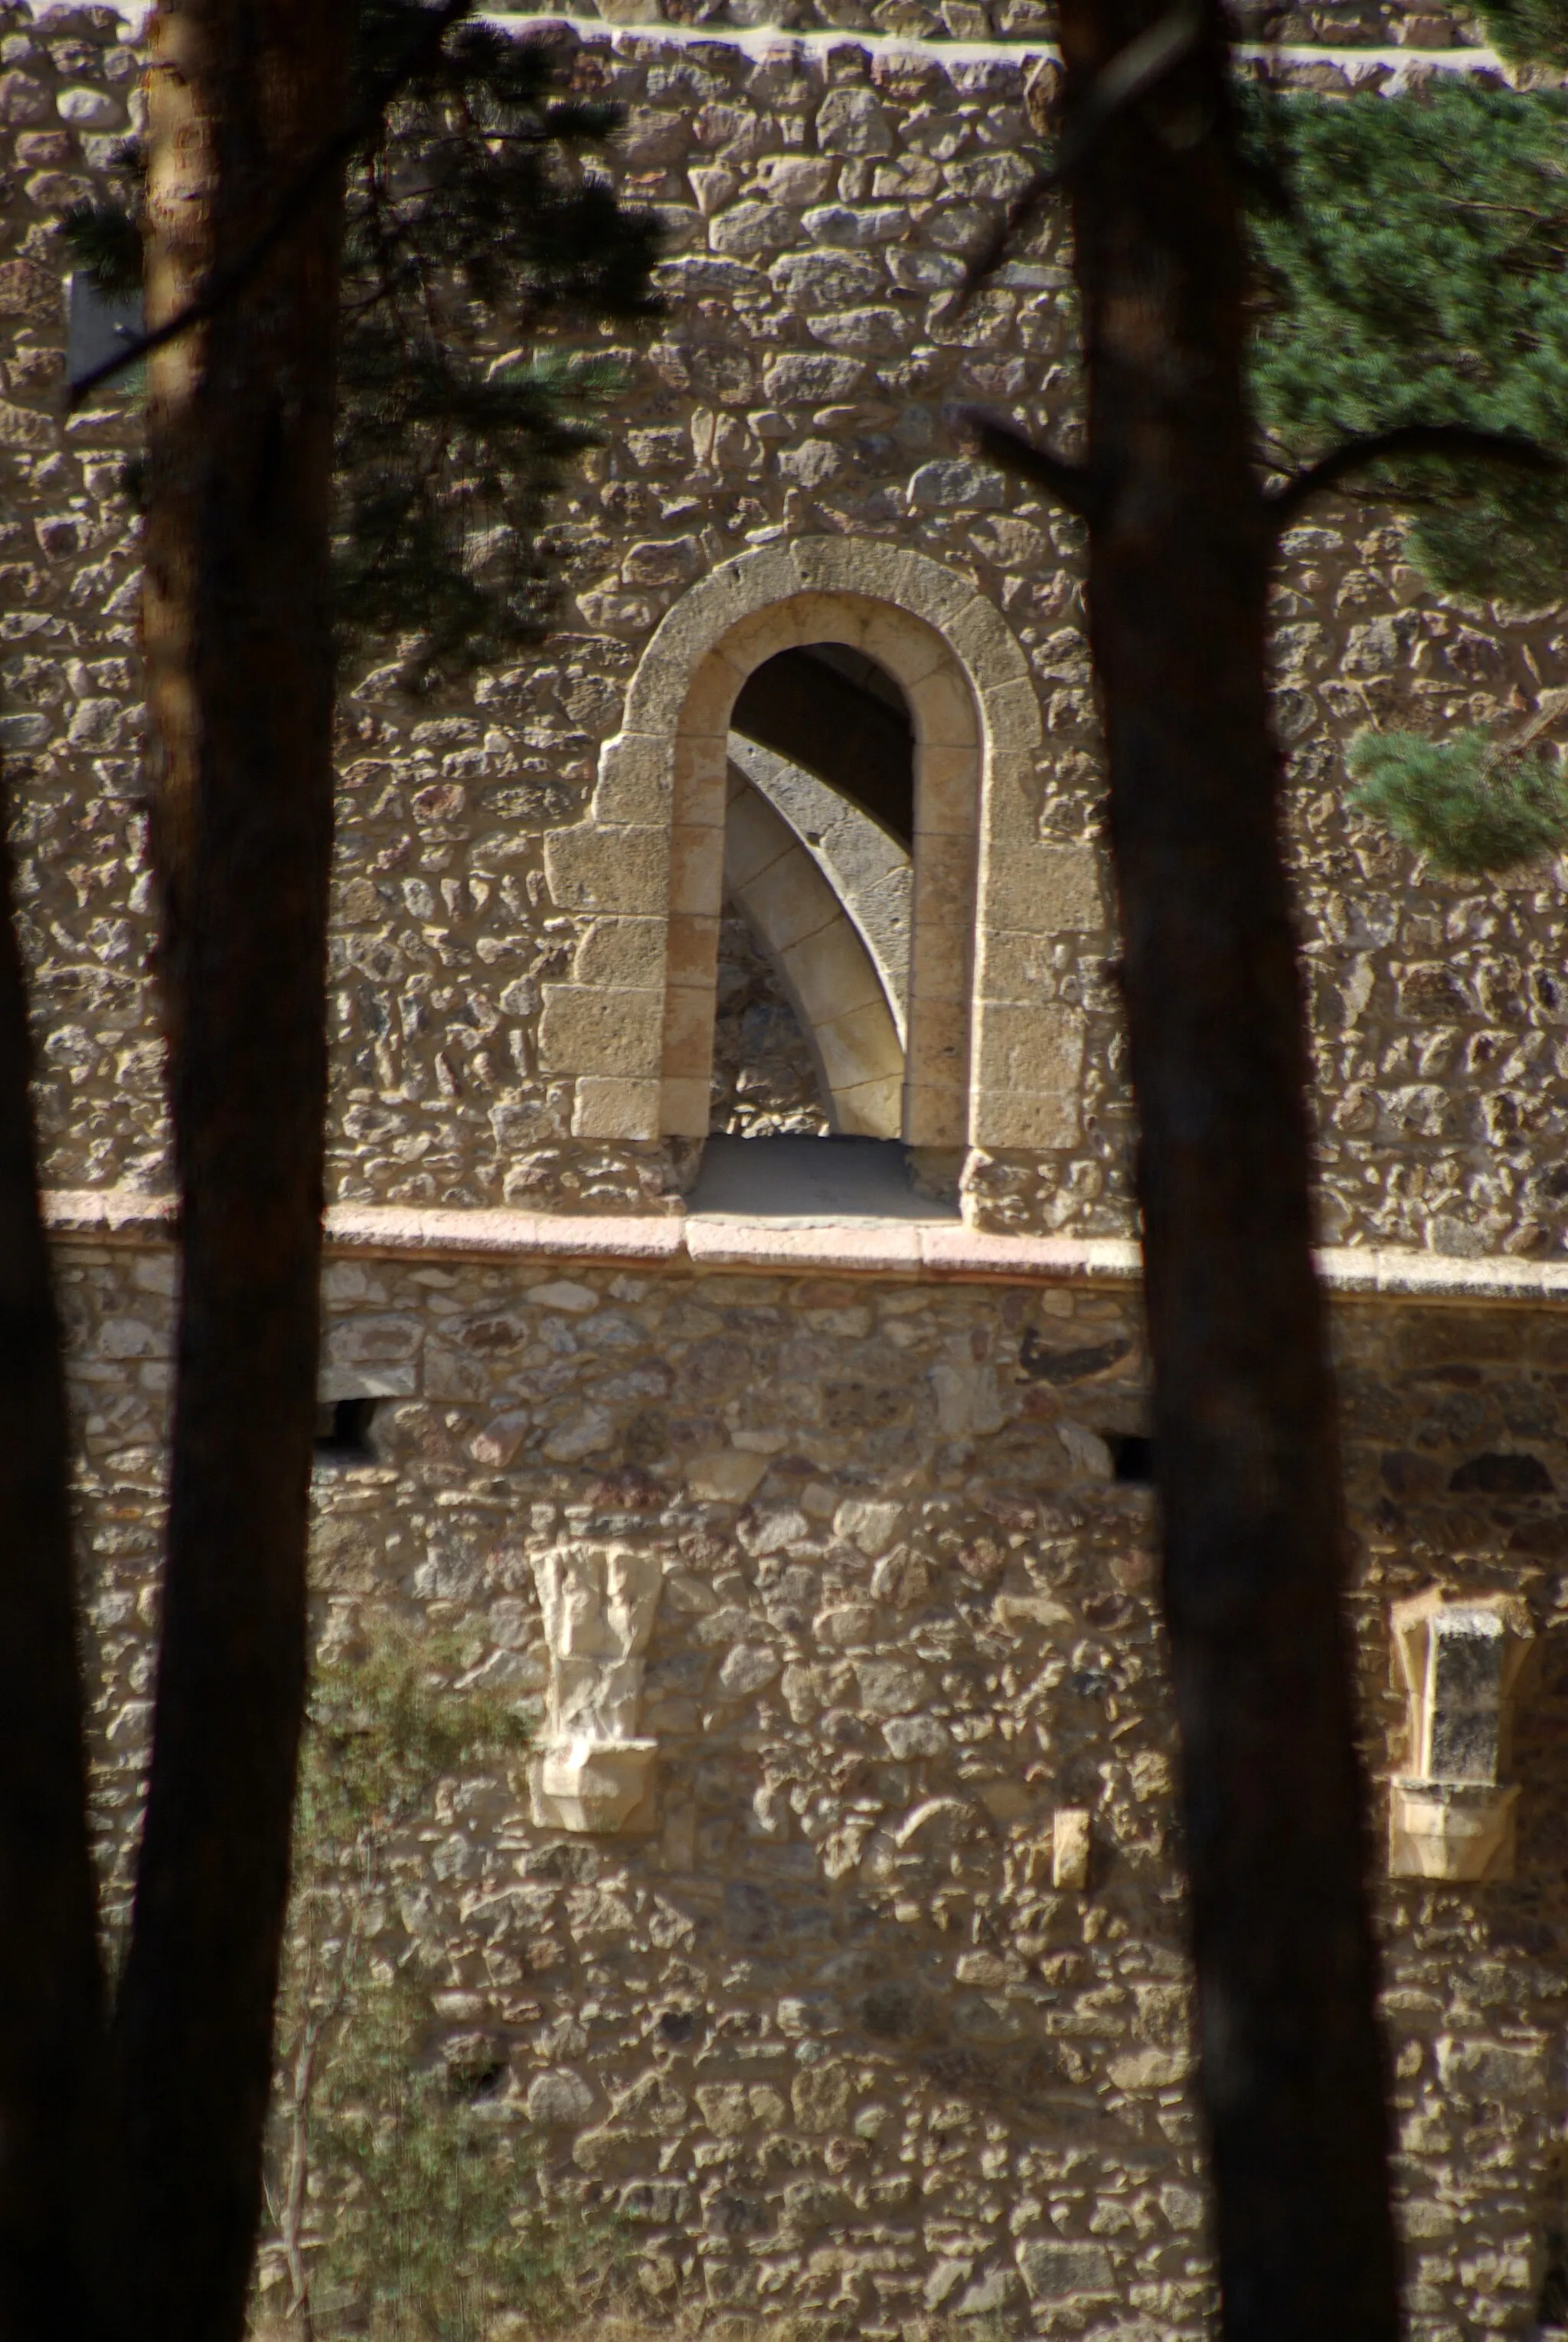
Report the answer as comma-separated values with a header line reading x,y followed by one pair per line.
x,y
343,1431
1133,1458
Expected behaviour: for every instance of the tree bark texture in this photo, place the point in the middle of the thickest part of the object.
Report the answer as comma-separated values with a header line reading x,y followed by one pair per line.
x,y
241,94
1292,2066
51,1990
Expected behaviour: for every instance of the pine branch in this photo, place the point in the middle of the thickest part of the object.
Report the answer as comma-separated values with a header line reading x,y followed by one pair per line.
x,y
1068,483
1131,73
292,206
1452,439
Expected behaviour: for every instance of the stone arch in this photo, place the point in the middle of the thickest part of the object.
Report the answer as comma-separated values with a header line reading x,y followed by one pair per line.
x,y
986,1064
821,962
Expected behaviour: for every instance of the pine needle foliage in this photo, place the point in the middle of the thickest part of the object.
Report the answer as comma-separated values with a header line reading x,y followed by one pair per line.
x,y
482,251
1416,276
1528,31
401,2210
1474,808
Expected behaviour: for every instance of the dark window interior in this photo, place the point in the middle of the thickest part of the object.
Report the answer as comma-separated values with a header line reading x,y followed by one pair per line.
x,y
834,711
343,1431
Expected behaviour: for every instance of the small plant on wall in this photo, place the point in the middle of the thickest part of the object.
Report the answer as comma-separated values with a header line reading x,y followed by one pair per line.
x,y
400,2208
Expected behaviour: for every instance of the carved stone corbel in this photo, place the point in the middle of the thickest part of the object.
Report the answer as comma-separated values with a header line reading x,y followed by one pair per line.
x,y
1452,1816
593,1774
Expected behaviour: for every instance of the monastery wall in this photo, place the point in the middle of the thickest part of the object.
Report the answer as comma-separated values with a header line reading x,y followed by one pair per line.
x,y
786,442
816,2017
874,1997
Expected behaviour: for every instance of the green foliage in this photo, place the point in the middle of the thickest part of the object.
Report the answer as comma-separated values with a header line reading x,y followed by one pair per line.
x,y
478,241
1473,806
1416,276
429,2242
107,242
1529,32
433,2222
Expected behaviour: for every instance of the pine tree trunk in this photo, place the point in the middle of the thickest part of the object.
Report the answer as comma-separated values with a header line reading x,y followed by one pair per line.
x,y
1292,2076
241,92
51,1990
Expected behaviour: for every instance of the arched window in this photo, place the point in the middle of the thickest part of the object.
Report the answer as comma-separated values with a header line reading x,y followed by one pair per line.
x,y
814,950
987,1060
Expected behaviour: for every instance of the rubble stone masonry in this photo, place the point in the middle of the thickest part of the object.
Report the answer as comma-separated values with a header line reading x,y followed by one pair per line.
x,y
836,2013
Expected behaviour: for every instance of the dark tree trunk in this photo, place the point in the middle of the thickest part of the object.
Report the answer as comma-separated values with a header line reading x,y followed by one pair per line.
x,y
1293,2082
242,92
51,1992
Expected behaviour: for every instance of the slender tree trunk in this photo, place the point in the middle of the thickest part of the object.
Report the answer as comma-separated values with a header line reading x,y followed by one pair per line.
x,y
241,93
1292,2078
51,1991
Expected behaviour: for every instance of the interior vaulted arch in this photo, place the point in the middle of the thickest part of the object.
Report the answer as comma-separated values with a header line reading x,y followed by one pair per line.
x,y
822,961
823,712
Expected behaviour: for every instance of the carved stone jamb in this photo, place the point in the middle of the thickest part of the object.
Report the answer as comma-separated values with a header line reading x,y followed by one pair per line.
x,y
1458,1661
593,1774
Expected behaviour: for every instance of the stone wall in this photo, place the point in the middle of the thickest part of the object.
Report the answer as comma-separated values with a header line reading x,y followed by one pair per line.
x,y
818,200
819,2022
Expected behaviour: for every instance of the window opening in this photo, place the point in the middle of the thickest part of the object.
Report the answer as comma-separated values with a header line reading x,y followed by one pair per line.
x,y
98,326
815,944
835,712
343,1431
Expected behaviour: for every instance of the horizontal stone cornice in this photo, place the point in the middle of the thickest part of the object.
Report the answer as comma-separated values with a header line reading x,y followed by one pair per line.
x,y
931,1251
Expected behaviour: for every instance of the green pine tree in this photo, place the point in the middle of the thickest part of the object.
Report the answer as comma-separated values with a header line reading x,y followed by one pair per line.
x,y
1416,275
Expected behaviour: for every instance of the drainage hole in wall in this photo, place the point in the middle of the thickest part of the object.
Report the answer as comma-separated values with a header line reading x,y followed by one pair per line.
x,y
343,1431
1132,1458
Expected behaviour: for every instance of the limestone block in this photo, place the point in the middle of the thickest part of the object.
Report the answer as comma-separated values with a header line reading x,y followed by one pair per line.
x,y
1459,1663
1014,966
1054,2271
934,1115
1028,1066
727,1474
989,651
1070,1850
946,791
871,1109
939,1042
623,868
790,900
803,618
627,953
636,777
592,1772
756,839
606,1106
1015,789
1014,1118
702,776
685,1108
587,1028
696,869
850,565
1012,718
832,973
1043,890
905,644
942,709
945,883
941,954
862,1045
688,1042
